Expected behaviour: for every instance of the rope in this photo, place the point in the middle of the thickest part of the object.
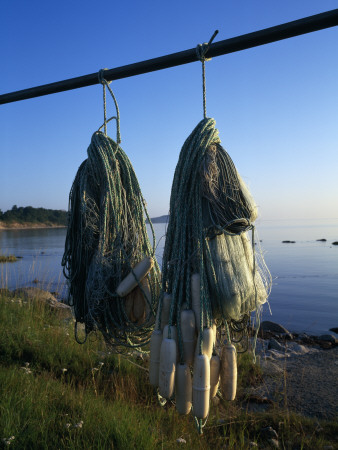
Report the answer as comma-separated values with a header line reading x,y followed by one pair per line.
x,y
106,238
105,84
201,51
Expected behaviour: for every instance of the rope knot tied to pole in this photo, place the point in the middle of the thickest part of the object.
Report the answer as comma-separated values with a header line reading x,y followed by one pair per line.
x,y
202,49
101,78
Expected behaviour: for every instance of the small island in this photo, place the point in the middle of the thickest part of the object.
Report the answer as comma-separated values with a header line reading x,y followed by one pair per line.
x,y
29,217
8,258
160,219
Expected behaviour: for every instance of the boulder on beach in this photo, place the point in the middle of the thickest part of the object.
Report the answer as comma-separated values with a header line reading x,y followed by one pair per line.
x,y
306,339
297,349
33,293
270,367
328,338
275,345
275,328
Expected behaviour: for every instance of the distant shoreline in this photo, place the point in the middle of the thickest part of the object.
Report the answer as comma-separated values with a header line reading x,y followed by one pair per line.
x,y
27,226
160,219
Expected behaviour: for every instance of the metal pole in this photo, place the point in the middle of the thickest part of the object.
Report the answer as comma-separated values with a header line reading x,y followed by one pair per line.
x,y
290,29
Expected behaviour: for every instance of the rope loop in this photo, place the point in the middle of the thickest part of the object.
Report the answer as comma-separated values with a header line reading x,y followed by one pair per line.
x,y
105,84
199,424
107,121
101,77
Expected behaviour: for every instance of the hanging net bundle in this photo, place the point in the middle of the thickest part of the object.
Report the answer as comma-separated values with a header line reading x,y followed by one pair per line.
x,y
114,279
211,275
211,211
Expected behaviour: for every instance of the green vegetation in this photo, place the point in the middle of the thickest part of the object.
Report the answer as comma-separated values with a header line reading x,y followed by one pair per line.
x,y
29,214
8,258
57,394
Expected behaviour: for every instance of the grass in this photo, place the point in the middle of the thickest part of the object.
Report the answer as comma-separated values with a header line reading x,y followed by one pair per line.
x,y
8,258
57,394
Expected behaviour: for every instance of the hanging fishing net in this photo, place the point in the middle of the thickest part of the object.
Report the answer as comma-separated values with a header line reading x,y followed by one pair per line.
x,y
106,243
212,276
211,211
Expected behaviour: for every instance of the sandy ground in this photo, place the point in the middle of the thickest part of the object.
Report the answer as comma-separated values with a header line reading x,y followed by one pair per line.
x,y
306,384
312,384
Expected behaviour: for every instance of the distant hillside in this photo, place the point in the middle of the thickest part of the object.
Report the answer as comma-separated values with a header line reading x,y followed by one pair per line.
x,y
29,217
161,219
33,216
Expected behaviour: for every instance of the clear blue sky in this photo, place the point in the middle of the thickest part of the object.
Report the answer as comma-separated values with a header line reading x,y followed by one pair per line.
x,y
276,106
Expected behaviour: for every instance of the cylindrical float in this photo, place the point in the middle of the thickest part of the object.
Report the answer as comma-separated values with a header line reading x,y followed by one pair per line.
x,y
128,307
173,335
183,389
207,343
130,282
167,368
188,334
201,386
229,372
147,299
215,367
154,362
139,304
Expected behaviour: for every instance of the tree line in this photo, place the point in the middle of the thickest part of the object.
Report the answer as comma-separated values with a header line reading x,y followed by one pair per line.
x,y
34,215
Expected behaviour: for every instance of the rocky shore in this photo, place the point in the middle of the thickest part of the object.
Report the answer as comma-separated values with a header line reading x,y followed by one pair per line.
x,y
300,372
272,331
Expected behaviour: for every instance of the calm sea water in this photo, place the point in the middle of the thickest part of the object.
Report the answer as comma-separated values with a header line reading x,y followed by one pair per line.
x,y
304,296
